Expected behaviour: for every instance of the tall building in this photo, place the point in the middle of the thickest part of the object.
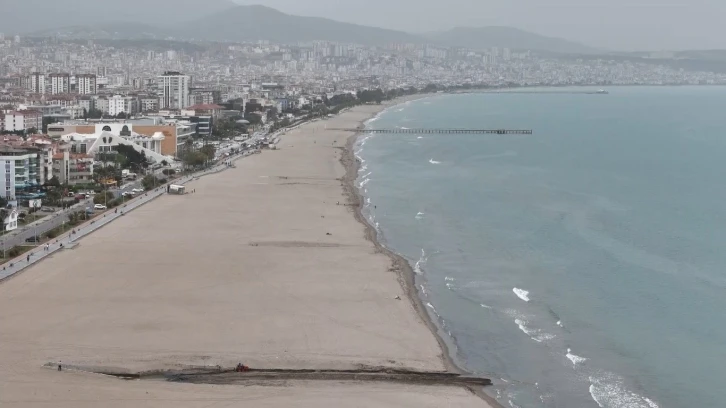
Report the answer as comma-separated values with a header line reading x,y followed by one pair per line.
x,y
60,83
37,82
25,167
23,121
86,84
173,89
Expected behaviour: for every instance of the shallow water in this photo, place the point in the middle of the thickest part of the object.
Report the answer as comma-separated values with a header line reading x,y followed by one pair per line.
x,y
581,265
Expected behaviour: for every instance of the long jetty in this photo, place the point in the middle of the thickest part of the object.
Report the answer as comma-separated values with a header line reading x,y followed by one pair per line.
x,y
443,131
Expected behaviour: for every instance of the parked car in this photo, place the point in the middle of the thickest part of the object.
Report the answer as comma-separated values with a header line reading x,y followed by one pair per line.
x,y
99,207
47,209
138,190
34,239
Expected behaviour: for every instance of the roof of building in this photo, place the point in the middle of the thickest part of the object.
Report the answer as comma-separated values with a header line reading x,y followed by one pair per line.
x,y
205,106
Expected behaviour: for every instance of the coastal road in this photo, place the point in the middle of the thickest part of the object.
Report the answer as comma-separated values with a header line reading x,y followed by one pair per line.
x,y
19,236
67,240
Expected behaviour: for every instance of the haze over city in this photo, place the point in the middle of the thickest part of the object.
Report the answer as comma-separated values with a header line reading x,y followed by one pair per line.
x,y
505,204
613,24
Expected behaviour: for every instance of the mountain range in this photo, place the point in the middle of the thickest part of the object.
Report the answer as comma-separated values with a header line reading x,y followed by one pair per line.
x,y
222,20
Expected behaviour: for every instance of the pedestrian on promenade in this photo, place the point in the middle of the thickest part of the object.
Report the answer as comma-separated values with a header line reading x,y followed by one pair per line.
x,y
28,258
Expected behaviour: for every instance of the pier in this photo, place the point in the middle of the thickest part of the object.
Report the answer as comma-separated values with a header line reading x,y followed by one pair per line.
x,y
443,131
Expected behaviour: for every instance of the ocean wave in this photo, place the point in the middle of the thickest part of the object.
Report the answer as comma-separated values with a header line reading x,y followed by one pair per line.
x,y
368,200
609,391
521,293
420,137
363,168
419,215
432,161
366,175
535,334
423,290
420,263
574,358
404,128
448,278
364,182
559,323
485,306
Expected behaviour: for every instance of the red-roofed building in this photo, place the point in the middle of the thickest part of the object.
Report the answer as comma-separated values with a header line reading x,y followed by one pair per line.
x,y
207,109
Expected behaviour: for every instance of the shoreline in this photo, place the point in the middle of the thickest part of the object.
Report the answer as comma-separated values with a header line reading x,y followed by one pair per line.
x,y
404,271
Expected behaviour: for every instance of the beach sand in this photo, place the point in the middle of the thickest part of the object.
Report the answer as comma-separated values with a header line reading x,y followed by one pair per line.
x,y
242,270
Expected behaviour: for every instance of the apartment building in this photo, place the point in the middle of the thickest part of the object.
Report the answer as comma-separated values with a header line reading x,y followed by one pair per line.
x,y
21,170
72,168
173,88
60,83
37,82
86,84
23,121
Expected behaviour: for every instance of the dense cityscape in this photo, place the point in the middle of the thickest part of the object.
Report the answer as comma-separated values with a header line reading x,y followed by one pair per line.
x,y
63,102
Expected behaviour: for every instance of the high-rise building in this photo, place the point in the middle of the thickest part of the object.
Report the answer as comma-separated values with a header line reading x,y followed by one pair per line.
x,y
60,83
173,89
37,82
86,84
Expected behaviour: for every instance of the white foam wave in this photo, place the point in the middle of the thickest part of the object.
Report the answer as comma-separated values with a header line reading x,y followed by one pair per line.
x,y
559,323
419,215
420,263
432,161
368,200
364,182
423,290
522,294
485,306
609,391
363,168
367,175
420,137
449,279
431,306
574,358
535,334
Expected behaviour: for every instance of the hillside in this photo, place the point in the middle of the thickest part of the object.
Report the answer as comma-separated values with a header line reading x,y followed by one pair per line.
x,y
29,16
250,23
479,38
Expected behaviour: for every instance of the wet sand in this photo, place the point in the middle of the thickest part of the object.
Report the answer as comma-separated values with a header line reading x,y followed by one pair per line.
x,y
243,270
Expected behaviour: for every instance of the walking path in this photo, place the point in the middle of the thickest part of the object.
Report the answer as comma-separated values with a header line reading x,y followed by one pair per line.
x,y
70,239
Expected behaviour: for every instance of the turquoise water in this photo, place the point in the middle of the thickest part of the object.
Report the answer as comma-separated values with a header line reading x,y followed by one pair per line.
x,y
581,266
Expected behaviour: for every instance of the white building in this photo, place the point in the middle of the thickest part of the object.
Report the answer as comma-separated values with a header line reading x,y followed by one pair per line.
x,y
86,84
110,135
37,82
122,104
23,120
21,168
60,83
173,88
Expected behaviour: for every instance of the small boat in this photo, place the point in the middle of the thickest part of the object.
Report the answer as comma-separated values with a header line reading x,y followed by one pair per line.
x,y
602,92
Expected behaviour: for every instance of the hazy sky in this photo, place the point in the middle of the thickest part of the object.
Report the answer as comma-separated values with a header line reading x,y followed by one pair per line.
x,y
614,24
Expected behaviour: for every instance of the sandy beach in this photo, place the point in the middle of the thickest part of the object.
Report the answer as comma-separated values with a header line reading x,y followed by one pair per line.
x,y
265,264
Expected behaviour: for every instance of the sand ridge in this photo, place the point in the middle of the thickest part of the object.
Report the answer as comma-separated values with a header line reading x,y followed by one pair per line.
x,y
261,265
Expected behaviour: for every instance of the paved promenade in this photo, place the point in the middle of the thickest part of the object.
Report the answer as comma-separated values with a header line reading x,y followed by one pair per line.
x,y
71,238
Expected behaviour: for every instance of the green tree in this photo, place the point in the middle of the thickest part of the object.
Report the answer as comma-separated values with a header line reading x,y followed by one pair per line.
x,y
103,197
208,151
133,157
94,114
149,182
53,182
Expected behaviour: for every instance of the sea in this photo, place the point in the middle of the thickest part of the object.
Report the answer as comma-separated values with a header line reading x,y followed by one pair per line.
x,y
581,266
